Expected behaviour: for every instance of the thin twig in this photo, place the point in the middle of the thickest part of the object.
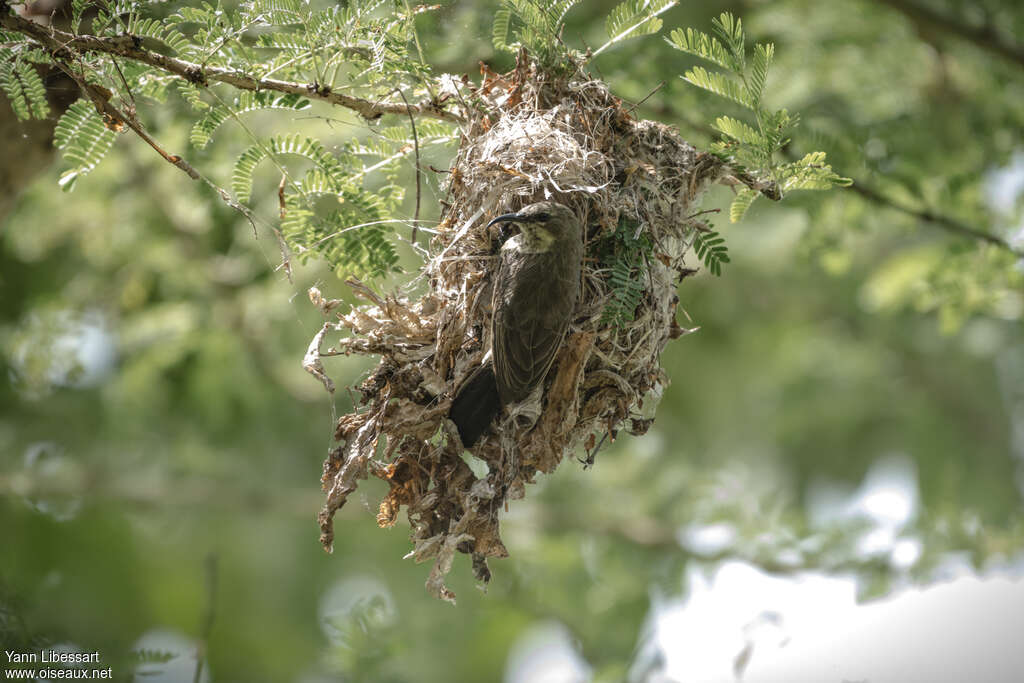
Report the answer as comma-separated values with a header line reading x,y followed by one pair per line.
x,y
647,97
592,454
127,88
416,143
354,227
63,45
282,205
286,261
986,37
114,116
702,213
938,220
769,188
622,34
208,617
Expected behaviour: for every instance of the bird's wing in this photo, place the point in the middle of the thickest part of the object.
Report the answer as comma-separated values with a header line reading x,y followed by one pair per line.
x,y
531,316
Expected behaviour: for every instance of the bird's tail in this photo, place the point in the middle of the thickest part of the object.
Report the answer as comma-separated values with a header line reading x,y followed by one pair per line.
x,y
476,405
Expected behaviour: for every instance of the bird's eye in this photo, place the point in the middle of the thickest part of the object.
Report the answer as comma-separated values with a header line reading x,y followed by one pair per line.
x,y
543,217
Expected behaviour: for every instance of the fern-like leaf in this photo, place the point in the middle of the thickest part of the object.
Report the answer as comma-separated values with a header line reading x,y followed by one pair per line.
x,y
730,30
741,204
280,11
627,290
624,254
204,128
22,85
78,7
83,138
748,148
720,84
308,148
737,130
701,45
634,18
316,182
192,94
11,85
499,31
811,173
35,91
763,54
350,238
160,32
711,250
245,166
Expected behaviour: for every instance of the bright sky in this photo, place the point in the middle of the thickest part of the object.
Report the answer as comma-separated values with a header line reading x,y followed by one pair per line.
x,y
810,628
738,623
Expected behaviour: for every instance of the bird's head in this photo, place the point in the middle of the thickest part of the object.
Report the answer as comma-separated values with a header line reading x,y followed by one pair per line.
x,y
543,223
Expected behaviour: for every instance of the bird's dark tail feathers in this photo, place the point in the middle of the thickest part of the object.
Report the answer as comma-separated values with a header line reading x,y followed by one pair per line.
x,y
476,405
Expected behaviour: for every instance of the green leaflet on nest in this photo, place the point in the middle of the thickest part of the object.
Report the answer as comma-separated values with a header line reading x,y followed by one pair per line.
x,y
624,254
711,249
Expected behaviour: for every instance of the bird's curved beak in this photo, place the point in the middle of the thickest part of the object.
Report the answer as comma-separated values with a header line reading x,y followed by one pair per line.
x,y
506,218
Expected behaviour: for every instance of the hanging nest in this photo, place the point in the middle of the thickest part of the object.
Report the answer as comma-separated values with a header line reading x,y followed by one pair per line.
x,y
528,136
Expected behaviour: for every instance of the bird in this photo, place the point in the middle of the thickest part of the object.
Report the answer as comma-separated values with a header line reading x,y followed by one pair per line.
x,y
535,292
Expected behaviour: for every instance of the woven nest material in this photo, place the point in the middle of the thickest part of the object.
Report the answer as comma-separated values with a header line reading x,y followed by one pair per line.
x,y
529,137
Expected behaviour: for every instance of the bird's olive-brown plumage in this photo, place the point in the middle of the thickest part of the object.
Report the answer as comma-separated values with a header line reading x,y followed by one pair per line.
x,y
535,292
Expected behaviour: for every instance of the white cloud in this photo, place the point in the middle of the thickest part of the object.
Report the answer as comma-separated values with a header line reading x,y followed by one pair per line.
x,y
809,629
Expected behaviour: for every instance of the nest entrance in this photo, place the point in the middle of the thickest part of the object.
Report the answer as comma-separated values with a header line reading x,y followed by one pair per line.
x,y
634,186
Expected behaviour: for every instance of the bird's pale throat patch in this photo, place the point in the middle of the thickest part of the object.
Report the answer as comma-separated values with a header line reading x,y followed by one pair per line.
x,y
531,239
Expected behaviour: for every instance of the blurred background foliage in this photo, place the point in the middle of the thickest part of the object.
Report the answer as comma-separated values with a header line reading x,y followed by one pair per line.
x,y
157,430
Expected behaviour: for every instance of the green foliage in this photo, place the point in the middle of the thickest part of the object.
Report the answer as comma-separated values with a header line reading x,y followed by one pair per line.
x,y
537,26
633,19
741,203
533,24
310,149
371,48
156,30
749,149
624,256
711,250
78,8
350,237
84,139
22,84
363,47
192,94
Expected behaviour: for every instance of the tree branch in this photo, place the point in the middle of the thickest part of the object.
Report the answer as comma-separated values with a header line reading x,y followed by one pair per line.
x,y
114,116
867,192
63,45
986,37
937,219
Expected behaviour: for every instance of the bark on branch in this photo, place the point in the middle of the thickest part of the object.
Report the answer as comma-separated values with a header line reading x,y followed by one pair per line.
x,y
64,45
